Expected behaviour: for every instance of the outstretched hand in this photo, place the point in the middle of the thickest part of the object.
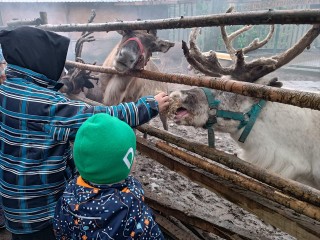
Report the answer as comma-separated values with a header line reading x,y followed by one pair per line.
x,y
163,101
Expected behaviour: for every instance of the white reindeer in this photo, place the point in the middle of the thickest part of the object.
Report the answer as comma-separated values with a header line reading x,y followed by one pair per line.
x,y
284,139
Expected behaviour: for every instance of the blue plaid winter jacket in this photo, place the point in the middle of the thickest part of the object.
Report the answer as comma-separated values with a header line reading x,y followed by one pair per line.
x,y
37,124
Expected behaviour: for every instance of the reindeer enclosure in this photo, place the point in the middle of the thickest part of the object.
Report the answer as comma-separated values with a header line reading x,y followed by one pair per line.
x,y
190,202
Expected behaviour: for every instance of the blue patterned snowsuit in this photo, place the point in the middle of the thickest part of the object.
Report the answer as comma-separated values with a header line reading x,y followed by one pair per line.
x,y
113,211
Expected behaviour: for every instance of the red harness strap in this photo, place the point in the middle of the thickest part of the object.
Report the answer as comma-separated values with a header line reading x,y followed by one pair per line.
x,y
140,61
137,40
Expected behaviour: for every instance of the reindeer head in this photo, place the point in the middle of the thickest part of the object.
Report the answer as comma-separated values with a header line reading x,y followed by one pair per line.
x,y
75,80
191,107
136,48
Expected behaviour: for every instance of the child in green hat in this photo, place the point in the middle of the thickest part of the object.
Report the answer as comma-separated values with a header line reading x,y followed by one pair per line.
x,y
104,202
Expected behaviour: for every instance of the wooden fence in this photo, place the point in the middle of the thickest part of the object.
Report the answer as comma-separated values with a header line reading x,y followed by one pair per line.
x,y
288,205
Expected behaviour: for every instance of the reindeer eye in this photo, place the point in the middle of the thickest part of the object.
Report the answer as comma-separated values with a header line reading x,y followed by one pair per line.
x,y
153,45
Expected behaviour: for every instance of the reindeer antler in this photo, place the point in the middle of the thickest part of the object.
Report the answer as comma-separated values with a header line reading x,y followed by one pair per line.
x,y
85,37
208,63
77,78
255,44
79,44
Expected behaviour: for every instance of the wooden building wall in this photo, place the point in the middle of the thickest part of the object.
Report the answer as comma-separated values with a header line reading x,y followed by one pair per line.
x,y
79,12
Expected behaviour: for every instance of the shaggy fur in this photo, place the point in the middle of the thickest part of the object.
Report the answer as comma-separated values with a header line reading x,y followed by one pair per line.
x,y
284,139
116,89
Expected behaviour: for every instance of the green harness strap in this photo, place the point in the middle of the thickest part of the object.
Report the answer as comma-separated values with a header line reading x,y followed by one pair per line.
x,y
213,104
247,119
253,115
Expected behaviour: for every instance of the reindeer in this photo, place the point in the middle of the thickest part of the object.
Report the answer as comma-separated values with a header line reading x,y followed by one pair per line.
x,y
133,52
77,81
284,139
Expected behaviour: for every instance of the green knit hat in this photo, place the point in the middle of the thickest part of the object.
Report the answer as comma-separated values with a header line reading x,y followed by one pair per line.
x,y
104,149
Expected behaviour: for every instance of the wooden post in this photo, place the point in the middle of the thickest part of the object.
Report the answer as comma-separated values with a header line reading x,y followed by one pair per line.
x,y
44,18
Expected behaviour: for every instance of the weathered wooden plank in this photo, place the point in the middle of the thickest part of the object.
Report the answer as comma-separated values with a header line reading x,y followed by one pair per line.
x,y
172,230
188,216
244,181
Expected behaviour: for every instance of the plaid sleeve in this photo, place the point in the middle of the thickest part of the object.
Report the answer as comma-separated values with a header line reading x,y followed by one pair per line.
x,y
67,116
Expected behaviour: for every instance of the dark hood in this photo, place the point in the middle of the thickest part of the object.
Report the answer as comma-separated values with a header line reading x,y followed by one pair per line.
x,y
41,51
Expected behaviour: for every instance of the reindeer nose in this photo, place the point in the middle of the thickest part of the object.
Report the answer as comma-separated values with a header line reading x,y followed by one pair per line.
x,y
127,57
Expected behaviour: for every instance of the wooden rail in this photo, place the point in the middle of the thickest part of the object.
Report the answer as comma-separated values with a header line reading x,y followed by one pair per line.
x,y
245,182
293,188
296,225
238,18
287,96
43,19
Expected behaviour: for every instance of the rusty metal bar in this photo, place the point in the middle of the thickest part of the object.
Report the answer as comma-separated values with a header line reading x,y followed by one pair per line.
x,y
237,18
287,96
245,182
299,226
293,188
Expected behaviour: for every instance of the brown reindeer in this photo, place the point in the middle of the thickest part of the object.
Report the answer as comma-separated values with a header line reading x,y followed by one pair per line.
x,y
275,136
133,52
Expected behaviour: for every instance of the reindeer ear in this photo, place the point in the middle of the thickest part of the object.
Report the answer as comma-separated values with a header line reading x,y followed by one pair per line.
x,y
123,32
153,32
88,84
274,83
162,46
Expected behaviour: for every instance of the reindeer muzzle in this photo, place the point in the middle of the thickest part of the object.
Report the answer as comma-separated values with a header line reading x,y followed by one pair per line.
x,y
140,63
